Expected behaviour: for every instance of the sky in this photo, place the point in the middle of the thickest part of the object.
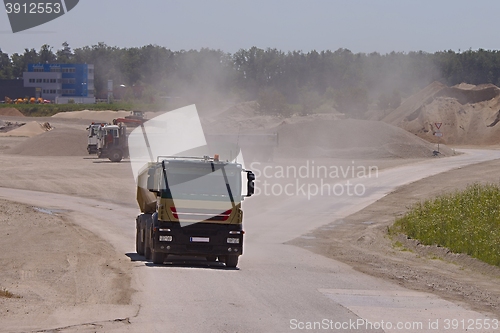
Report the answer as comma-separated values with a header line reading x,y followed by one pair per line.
x,y
229,25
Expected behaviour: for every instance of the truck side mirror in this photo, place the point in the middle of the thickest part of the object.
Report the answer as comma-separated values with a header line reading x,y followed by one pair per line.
x,y
250,183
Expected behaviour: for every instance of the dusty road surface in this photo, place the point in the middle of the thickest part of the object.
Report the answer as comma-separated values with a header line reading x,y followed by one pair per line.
x,y
278,287
68,252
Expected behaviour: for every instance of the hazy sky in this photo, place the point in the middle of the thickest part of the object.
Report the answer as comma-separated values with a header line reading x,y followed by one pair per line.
x,y
359,25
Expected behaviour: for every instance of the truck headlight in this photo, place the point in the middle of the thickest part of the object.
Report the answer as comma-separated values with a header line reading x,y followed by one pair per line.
x,y
233,240
165,238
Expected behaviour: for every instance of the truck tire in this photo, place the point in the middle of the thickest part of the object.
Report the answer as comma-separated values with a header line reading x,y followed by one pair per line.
x,y
139,237
147,250
231,261
148,232
158,257
115,155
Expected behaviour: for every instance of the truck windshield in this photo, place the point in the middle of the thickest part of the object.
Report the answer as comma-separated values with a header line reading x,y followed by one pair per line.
x,y
201,183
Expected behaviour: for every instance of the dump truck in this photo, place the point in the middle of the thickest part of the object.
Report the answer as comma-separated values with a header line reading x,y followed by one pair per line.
x,y
111,142
92,129
191,206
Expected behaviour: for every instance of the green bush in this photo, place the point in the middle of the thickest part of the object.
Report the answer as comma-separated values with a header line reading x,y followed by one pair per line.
x,y
464,222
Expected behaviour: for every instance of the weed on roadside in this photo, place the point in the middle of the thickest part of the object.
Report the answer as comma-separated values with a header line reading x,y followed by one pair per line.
x,y
464,222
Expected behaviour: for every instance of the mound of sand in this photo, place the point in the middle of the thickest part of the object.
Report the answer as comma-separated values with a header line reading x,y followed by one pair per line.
x,y
414,102
58,142
242,117
106,116
351,138
469,114
11,112
30,129
321,135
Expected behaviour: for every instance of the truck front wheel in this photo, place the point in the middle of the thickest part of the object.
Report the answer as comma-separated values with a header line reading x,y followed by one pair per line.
x,y
147,226
158,257
231,261
116,156
139,239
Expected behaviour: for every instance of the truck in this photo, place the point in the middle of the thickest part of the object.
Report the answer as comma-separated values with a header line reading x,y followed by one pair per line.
x,y
136,118
92,139
107,141
112,142
191,206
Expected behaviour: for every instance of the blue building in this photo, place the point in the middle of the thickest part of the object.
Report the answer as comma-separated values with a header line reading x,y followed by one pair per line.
x,y
61,83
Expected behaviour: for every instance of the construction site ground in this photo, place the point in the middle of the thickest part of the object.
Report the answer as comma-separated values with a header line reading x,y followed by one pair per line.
x,y
53,266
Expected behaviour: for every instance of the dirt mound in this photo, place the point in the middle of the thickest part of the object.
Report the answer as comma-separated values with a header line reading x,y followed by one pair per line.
x,y
246,118
323,135
57,142
242,117
414,103
30,129
11,112
469,114
351,138
470,95
97,116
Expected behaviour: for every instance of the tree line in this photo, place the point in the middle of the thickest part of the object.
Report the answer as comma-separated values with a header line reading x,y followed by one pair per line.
x,y
282,82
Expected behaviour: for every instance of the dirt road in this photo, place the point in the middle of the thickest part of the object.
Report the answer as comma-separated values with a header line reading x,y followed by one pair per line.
x,y
277,286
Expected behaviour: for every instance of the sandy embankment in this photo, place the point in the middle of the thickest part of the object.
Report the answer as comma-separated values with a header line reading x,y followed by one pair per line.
x,y
96,116
57,270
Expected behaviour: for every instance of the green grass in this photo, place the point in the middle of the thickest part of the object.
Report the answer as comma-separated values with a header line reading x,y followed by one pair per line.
x,y
464,222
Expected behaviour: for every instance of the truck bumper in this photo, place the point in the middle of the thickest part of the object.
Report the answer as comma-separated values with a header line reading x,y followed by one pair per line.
x,y
199,239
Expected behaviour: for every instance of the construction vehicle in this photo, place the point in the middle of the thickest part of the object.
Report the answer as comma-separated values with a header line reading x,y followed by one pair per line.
x,y
191,206
111,141
92,129
136,118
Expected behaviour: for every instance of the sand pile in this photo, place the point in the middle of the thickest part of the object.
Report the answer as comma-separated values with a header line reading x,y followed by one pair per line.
x,y
469,114
11,112
240,117
246,117
30,129
414,102
57,142
351,138
321,135
106,116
